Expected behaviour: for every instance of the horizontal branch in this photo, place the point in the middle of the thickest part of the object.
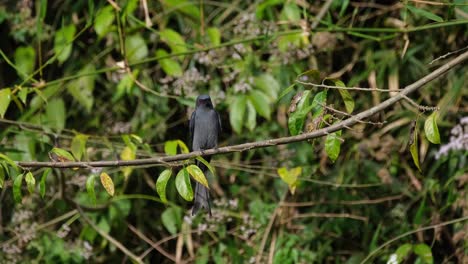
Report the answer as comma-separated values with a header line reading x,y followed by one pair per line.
x,y
264,143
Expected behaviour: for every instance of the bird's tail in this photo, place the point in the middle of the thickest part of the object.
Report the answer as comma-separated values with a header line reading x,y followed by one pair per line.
x,y
202,194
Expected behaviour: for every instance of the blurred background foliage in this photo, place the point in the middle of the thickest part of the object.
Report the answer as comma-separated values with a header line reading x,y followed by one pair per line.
x,y
64,84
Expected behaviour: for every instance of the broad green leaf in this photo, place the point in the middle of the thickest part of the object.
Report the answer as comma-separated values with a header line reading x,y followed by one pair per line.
x,y
170,147
104,19
291,12
260,102
333,145
78,145
17,188
182,146
25,58
23,94
198,175
63,42
187,7
424,13
3,173
183,185
107,183
135,48
286,91
170,219
297,118
290,177
207,164
403,251
42,184
9,161
347,99
130,7
215,36
237,112
125,85
5,99
90,187
414,148
174,40
63,154
251,121
30,182
431,129
269,85
424,252
320,99
161,184
170,66
82,88
55,113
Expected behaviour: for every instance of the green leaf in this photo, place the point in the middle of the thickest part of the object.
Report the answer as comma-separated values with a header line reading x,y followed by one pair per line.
x,y
291,12
251,121
55,113
174,40
107,183
23,94
3,172
63,154
207,164
290,177
170,147
198,175
125,85
320,99
424,252
42,184
9,161
286,91
104,19
424,13
419,216
30,182
78,145
135,48
414,147
161,184
184,6
183,185
63,42
90,187
347,99
170,219
17,188
297,118
269,85
5,99
25,58
215,36
260,102
431,130
182,146
82,88
333,145
403,251
170,66
237,112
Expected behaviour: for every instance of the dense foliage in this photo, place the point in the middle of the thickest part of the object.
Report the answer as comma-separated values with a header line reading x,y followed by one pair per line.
x,y
116,80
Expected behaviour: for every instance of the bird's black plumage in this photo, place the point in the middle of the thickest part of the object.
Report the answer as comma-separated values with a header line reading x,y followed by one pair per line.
x,y
205,127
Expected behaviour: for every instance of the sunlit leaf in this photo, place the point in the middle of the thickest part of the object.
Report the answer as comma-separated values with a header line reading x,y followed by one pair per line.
x,y
215,35
347,99
63,154
269,85
424,252
104,19
127,154
260,102
170,147
161,184
431,130
197,174
107,183
63,42
78,145
174,40
5,99
207,164
403,251
290,177
135,47
90,187
183,185
9,161
23,94
30,182
333,145
237,112
25,58
170,66
17,188
42,183
182,146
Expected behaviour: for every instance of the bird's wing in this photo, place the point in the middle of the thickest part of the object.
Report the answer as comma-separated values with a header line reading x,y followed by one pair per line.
x,y
192,127
220,127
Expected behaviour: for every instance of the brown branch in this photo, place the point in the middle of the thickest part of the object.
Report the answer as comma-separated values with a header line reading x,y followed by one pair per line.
x,y
263,143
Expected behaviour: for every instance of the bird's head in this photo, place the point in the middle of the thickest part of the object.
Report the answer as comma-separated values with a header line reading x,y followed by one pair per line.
x,y
204,100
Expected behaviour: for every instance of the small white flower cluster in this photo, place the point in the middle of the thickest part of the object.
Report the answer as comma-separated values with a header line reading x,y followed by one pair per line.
x,y
243,85
458,139
184,85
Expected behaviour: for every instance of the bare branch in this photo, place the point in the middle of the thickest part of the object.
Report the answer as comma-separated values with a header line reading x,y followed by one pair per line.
x,y
263,143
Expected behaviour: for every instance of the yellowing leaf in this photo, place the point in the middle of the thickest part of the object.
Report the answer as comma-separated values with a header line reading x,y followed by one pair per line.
x,y
290,177
127,154
198,175
431,129
107,183
62,154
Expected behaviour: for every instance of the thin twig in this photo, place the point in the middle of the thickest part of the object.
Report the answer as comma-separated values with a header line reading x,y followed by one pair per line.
x,y
263,143
448,54
321,13
149,241
328,215
347,88
355,202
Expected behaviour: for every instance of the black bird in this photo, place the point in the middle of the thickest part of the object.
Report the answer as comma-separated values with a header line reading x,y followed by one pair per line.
x,y
205,127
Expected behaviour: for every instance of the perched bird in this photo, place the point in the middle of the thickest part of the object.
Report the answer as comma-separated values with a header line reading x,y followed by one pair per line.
x,y
205,127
